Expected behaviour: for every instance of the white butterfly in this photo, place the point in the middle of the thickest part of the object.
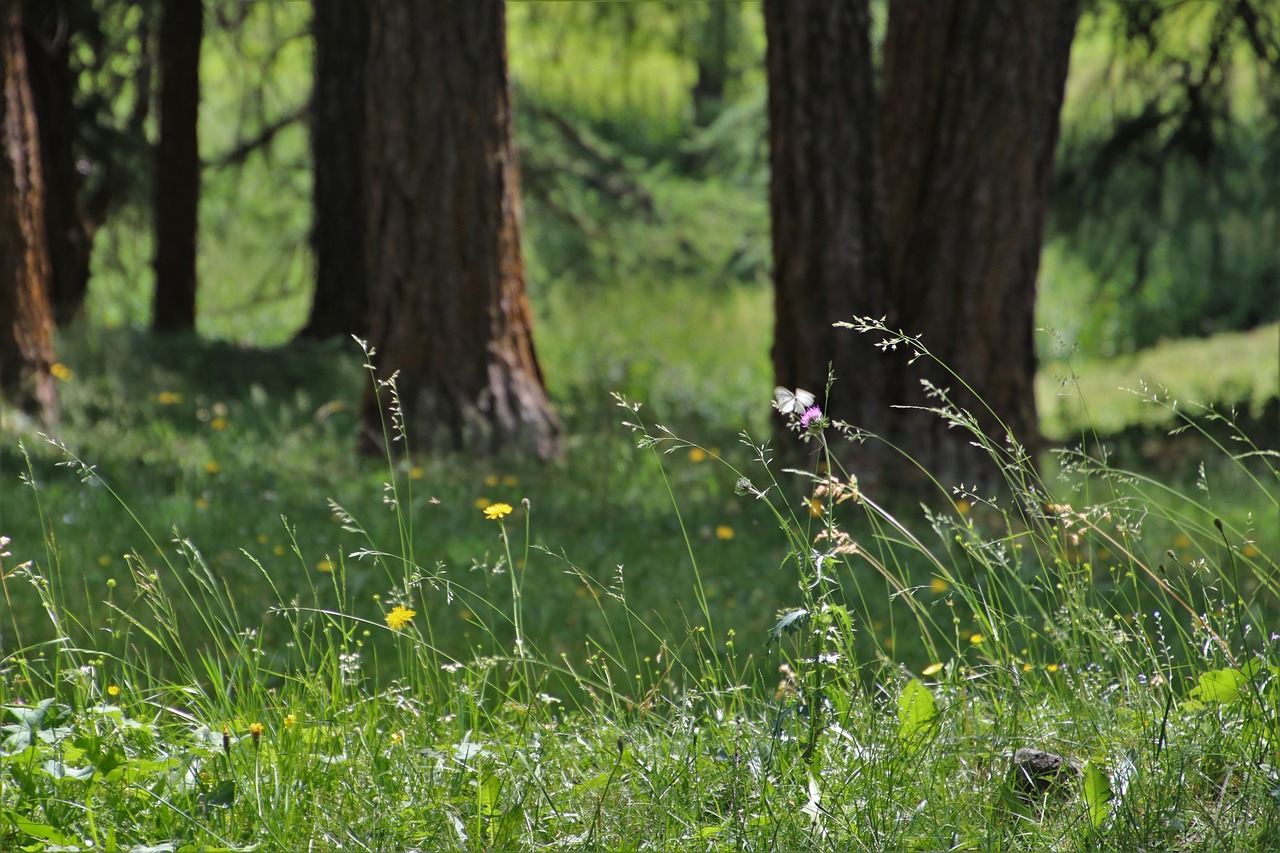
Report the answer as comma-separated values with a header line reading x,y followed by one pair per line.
x,y
792,402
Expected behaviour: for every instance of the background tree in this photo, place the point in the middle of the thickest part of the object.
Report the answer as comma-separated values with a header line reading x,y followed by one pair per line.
x,y
177,166
341,32
26,322
968,121
448,310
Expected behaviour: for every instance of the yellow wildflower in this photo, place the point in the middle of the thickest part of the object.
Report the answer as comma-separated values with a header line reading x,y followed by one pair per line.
x,y
697,454
113,691
491,480
324,566
724,531
218,423
212,467
976,638
168,398
494,512
938,586
416,472
399,617
60,371
932,669
290,720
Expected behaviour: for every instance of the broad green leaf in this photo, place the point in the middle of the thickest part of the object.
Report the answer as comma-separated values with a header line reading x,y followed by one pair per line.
x,y
1097,794
1220,685
59,770
40,830
489,795
917,709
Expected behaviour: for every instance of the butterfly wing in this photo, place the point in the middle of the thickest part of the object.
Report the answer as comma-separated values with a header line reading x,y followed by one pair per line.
x,y
792,402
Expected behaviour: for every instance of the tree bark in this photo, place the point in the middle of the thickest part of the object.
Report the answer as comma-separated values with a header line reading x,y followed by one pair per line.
x,y
177,176
931,217
448,309
341,32
824,197
26,321
70,226
972,95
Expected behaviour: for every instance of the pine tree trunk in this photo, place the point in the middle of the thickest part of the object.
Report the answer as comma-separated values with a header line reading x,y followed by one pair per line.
x,y
26,322
177,174
341,32
448,309
828,263
69,224
972,95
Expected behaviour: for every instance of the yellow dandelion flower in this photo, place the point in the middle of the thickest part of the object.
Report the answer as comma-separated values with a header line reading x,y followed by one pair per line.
x,y
324,566
938,586
60,371
399,617
290,720
491,480
278,550
416,473
212,467
724,531
1053,667
1026,667
255,732
218,424
976,638
963,507
494,512
932,669
481,503
168,398
113,691
697,454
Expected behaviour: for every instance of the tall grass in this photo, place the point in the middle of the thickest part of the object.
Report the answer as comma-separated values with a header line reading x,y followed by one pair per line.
x,y
1047,621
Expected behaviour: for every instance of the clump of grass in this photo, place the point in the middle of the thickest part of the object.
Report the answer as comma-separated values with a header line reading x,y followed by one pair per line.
x,y
390,705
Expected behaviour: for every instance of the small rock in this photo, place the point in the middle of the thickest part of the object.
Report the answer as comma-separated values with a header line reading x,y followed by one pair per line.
x,y
1037,771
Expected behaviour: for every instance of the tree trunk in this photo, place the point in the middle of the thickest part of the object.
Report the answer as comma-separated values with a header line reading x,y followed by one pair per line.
x,y
931,218
177,175
972,95
448,310
69,225
828,262
341,32
26,322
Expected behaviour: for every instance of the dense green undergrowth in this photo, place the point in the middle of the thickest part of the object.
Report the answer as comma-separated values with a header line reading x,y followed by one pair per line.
x,y
683,647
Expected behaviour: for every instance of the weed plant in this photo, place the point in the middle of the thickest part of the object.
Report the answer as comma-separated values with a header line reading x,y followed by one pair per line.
x,y
1048,621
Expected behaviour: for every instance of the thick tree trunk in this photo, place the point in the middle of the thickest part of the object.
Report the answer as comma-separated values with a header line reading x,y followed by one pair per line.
x,y
931,218
972,95
69,225
828,262
177,175
341,32
448,309
26,322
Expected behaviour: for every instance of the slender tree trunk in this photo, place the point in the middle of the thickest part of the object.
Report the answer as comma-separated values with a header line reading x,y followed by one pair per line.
x,y
448,309
341,32
177,175
26,322
828,262
69,225
972,95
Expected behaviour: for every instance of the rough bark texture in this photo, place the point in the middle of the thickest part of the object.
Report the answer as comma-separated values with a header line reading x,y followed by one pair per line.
x,y
828,262
972,95
177,176
341,32
448,309
26,322
931,217
69,224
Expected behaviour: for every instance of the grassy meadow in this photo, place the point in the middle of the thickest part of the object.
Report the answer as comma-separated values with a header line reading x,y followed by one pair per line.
x,y
222,629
